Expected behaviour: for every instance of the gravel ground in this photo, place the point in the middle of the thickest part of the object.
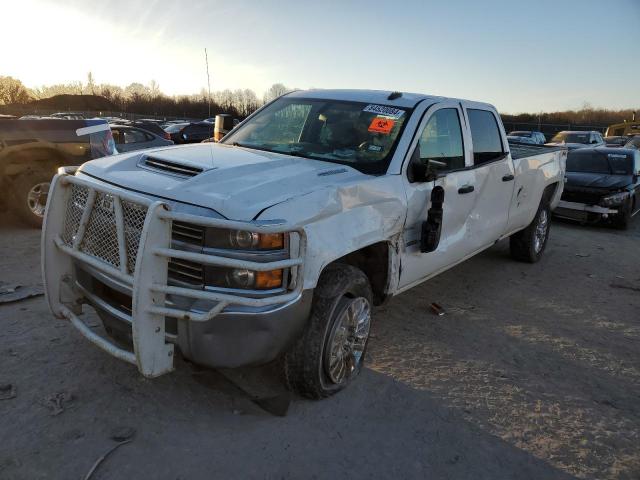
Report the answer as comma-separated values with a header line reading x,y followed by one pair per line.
x,y
533,372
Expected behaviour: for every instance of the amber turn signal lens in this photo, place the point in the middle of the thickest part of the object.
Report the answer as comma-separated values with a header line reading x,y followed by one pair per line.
x,y
271,241
270,279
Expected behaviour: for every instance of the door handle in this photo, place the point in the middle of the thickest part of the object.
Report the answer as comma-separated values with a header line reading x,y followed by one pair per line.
x,y
466,189
508,177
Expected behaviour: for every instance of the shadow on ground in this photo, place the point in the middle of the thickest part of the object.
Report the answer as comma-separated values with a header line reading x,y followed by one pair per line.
x,y
533,373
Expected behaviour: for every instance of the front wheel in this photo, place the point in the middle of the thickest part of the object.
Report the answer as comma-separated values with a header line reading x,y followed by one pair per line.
x,y
528,245
330,352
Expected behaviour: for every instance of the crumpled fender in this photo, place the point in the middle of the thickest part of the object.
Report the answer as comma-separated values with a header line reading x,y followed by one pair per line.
x,y
339,220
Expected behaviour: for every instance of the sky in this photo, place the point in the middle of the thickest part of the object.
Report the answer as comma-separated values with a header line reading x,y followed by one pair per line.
x,y
546,55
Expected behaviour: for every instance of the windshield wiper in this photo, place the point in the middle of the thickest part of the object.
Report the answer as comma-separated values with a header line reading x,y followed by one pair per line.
x,y
250,146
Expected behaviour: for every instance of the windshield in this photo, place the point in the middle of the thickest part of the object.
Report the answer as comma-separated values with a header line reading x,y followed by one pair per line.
x,y
597,162
633,143
521,134
571,137
361,135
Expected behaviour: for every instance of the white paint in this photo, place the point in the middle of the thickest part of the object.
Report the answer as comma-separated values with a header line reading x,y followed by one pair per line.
x,y
93,129
332,212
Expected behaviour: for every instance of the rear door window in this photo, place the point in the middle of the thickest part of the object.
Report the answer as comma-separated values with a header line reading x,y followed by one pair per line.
x,y
134,136
485,134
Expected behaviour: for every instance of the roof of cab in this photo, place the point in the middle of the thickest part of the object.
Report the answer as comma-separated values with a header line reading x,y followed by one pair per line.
x,y
407,100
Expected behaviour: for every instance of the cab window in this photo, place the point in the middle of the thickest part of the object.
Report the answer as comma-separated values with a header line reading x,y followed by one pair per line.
x,y
485,134
440,143
134,136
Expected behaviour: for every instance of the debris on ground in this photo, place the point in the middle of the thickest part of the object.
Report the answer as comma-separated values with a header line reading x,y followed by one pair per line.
x,y
13,292
583,255
7,391
57,402
437,309
103,457
120,434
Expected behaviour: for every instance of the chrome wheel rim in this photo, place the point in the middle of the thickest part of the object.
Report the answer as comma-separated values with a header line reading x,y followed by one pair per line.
x,y
540,234
345,348
37,198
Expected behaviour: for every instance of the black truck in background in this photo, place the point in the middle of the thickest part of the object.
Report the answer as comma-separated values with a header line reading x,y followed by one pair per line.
x,y
31,152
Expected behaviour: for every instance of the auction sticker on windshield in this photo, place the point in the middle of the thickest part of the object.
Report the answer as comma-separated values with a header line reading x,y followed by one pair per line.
x,y
384,110
381,125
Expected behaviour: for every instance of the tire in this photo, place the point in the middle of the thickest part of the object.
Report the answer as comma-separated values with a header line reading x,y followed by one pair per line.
x,y
340,318
29,192
529,244
622,220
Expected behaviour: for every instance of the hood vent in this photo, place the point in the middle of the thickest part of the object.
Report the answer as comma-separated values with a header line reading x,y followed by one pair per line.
x,y
169,167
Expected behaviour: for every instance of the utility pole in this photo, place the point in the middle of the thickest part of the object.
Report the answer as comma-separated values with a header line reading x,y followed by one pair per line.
x,y
206,59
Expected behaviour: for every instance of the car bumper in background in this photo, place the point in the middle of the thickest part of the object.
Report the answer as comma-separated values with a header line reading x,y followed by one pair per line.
x,y
582,211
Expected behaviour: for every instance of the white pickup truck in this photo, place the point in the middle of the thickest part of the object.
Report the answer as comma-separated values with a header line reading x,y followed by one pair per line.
x,y
277,242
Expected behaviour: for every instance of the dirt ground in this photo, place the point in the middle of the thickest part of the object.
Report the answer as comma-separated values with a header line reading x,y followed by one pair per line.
x,y
533,372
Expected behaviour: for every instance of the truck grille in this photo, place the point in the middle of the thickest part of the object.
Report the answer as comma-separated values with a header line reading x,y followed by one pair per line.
x,y
588,196
100,238
186,272
188,233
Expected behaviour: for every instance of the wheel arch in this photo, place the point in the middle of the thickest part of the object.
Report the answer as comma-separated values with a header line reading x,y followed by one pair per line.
x,y
549,193
378,262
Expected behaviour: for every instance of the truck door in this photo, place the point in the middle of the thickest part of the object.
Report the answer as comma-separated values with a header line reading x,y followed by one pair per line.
x,y
494,178
442,140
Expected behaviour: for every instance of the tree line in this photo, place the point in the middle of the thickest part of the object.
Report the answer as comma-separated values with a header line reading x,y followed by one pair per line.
x,y
150,100
144,99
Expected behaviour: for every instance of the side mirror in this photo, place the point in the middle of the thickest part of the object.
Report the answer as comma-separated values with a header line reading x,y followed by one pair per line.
x,y
424,169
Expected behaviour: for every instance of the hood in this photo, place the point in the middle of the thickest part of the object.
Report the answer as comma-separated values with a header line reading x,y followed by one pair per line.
x,y
236,182
602,181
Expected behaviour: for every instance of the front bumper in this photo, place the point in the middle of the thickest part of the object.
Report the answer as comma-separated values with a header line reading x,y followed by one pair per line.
x,y
583,212
234,338
126,238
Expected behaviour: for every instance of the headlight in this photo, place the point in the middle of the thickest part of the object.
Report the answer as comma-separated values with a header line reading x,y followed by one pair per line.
x,y
242,278
242,244
243,240
615,199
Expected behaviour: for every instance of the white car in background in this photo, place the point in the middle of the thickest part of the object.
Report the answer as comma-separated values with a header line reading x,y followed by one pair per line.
x,y
527,136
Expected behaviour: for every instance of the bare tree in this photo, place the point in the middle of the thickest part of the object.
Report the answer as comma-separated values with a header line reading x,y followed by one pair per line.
x,y
12,91
274,92
91,84
154,89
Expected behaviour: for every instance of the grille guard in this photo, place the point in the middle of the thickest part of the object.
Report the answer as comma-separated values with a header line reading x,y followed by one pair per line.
x,y
148,274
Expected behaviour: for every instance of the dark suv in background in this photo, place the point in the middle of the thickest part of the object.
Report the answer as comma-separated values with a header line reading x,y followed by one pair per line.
x,y
31,152
190,132
601,184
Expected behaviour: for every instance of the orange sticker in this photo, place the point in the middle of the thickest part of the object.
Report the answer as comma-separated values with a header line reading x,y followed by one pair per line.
x,y
381,125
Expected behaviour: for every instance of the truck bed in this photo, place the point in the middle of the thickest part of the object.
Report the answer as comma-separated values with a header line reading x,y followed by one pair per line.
x,y
522,150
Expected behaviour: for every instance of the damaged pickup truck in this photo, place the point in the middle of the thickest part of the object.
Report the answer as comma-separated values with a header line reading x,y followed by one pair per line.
x,y
602,185
277,242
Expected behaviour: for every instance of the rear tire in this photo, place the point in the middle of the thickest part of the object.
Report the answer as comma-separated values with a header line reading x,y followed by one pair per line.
x,y
30,192
330,352
529,244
